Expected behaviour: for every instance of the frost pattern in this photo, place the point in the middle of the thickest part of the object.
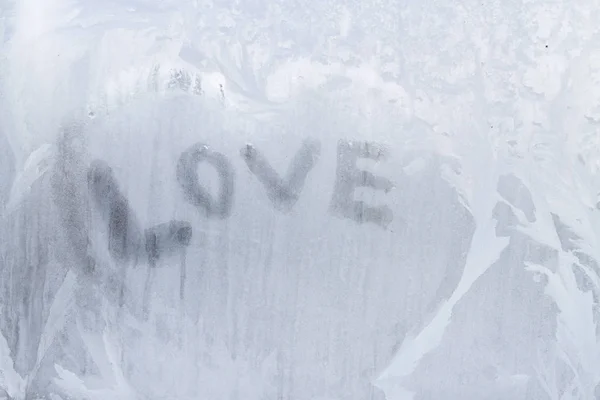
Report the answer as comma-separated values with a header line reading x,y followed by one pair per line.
x,y
481,285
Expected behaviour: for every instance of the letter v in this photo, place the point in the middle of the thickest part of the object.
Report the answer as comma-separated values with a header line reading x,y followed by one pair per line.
x,y
283,193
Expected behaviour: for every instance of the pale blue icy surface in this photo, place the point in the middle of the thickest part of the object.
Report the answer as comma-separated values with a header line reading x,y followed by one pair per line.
x,y
469,271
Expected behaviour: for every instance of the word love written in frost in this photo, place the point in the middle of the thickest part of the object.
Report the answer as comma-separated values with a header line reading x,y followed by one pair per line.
x,y
126,239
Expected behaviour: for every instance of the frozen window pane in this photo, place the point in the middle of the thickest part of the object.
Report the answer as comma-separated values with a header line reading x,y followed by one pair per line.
x,y
323,200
